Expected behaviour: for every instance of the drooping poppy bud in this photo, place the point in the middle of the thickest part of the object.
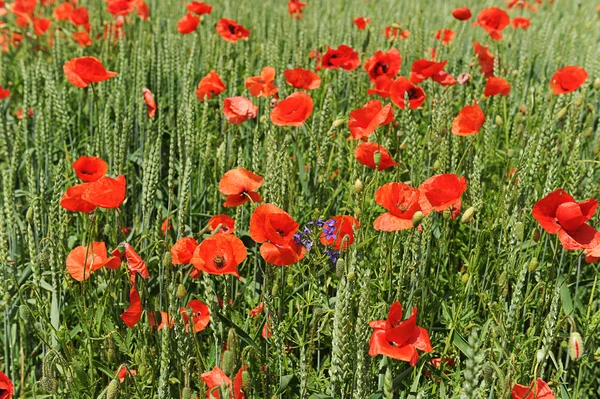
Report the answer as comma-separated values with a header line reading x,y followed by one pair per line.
x,y
575,346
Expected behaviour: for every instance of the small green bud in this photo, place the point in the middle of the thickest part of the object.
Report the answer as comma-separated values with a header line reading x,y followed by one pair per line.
x,y
417,218
579,101
112,392
532,266
519,231
181,291
48,384
290,280
358,186
597,83
536,235
228,362
499,122
340,267
351,276
561,113
186,393
464,278
575,346
468,215
447,213
246,381
377,158
510,153
275,289
25,314
167,260
232,340
436,166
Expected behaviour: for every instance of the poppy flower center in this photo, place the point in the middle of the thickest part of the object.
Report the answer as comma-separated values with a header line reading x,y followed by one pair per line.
x,y
231,29
413,93
381,68
219,261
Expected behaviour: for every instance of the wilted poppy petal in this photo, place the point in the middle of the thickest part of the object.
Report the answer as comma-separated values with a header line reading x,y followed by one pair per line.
x,y
133,314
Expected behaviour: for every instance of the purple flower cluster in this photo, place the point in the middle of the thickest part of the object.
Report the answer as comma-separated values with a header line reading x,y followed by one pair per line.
x,y
303,238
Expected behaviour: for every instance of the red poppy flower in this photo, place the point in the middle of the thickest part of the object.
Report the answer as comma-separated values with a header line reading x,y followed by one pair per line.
x,y
200,315
568,79
124,372
521,22
226,222
401,87
541,390
215,378
468,121
85,70
72,201
133,314
295,8
135,263
41,25
495,86
90,169
559,213
486,59
257,310
166,225
361,22
220,254
237,384
4,93
384,64
343,227
82,38
365,154
62,12
183,251
240,185
83,261
302,78
402,201
293,111
199,8
263,85
6,387
106,192
266,330
238,109
150,103
188,23
120,7
231,31
462,13
363,121
210,85
493,20
395,32
343,57
445,35
444,78
442,192
274,229
399,339
463,78
382,87
593,253
166,321
423,69
80,17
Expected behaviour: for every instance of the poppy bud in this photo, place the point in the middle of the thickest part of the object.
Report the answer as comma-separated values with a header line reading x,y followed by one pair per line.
x,y
181,291
561,113
540,355
575,346
357,212
417,218
510,153
436,166
579,101
337,123
246,381
518,117
597,83
48,384
447,213
228,362
112,392
532,266
467,216
499,121
186,393
358,186
290,280
488,373
275,289
340,267
25,314
464,278
536,235
519,231
45,259
351,276
588,132
377,158
232,340
167,260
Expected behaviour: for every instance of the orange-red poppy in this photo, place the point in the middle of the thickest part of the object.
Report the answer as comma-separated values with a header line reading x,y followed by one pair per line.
x,y
442,192
72,201
106,192
295,8
361,22
120,7
166,321
200,315
210,85
493,20
521,22
365,154
462,13
82,38
220,254
188,24
166,225
401,201
41,25
445,35
4,93
485,58
150,103
382,87
226,223
495,86
82,261
215,378
63,11
231,31
537,390
135,263
468,121
363,121
302,78
343,57
85,70
80,17
183,250
342,235
199,8
423,69
257,310
568,79
444,78
395,32
238,109
293,111
7,388
240,185
402,87
384,64
133,314
90,169
264,84
124,372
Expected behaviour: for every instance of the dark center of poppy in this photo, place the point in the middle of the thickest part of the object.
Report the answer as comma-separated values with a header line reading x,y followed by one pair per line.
x,y
232,29
219,261
381,68
413,93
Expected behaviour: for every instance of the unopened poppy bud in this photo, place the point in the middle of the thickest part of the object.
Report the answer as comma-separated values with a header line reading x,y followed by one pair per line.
x,y
446,213
112,392
186,393
340,267
337,123
499,122
536,235
588,132
357,212
351,276
468,215
417,218
518,117
228,362
377,158
358,186
532,266
167,260
48,384
246,381
181,291
575,346
275,289
25,314
597,83
232,340
523,108
561,113
291,282
510,153
540,355
519,231
579,101
436,166
464,278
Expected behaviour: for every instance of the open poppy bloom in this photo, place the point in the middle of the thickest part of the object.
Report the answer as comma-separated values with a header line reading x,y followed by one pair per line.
x,y
4,93
72,201
442,192
395,32
263,85
183,251
541,390
120,7
401,87
226,223
293,111
399,339
188,24
220,254
80,17
592,254
343,57
85,70
521,22
423,69
485,58
106,192
444,78
133,314
124,372
384,64
274,229
295,8
445,35
215,378
6,387
240,185
231,31
568,79
468,121
135,263
302,78
41,25
382,87
238,109
150,103
365,154
90,169
339,232
361,22
462,13
363,121
493,20
495,86
199,8
62,12
210,85
82,38
401,201
200,315
559,213
83,261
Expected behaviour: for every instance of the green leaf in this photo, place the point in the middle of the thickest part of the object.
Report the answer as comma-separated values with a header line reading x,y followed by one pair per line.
x,y
241,333
460,343
287,381
565,296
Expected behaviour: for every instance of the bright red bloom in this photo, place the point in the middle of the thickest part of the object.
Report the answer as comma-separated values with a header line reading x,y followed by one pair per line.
x,y
423,69
541,390
401,87
85,70
150,103
82,38
83,261
343,57
226,222
382,87
274,229
495,86
486,59
399,339
199,8
257,309
384,64
6,387
135,263
568,79
493,20
72,201
133,314
41,25
166,225
395,32
80,17
521,22
240,185
210,85
124,372
166,321
62,12
90,169
106,192
402,201
183,251
220,254
445,35
188,24
4,93
344,227
462,13
365,154
214,379
238,109
295,8
231,31
120,7
200,315
442,192
293,111
468,121
361,22
263,85
302,78
593,253
444,78
363,121
559,213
